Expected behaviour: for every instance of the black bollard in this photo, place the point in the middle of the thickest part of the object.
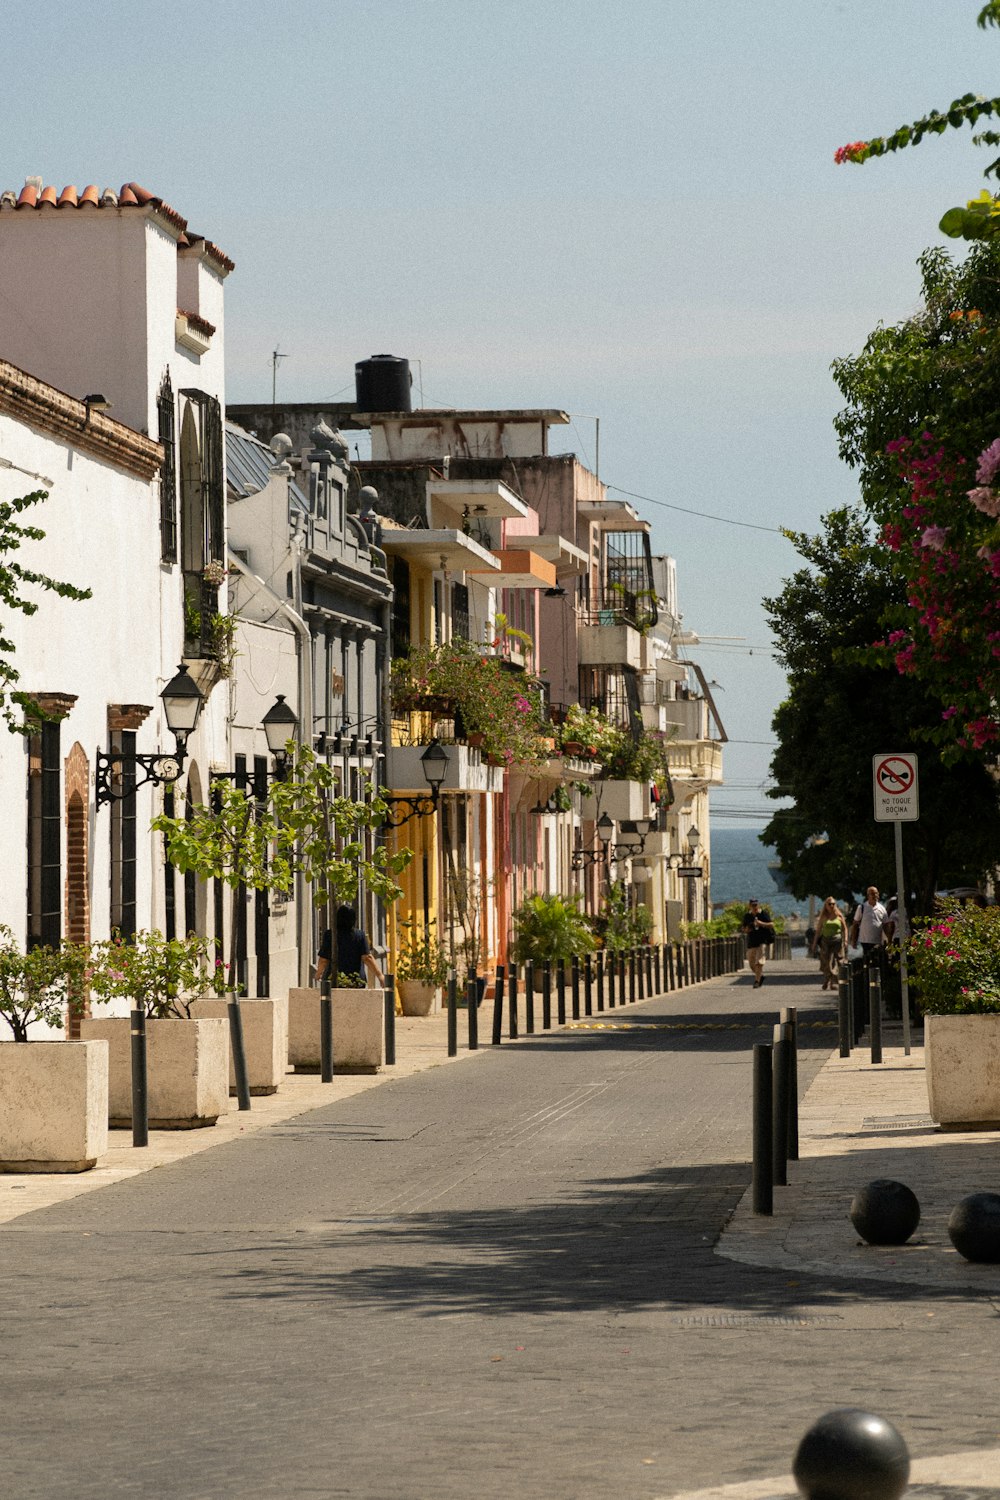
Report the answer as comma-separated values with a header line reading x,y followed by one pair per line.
x,y
588,986
140,1091
610,972
790,1017
239,1052
325,1029
575,996
658,968
671,983
472,1003
498,1007
389,1004
561,992
622,991
452,1015
844,1010
649,971
529,998
546,996
763,1175
875,1015
781,1051
599,964
632,976
512,1002
852,1455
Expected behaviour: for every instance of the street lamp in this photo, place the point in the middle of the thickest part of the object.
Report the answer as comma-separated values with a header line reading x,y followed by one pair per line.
x,y
598,855
182,701
434,765
279,725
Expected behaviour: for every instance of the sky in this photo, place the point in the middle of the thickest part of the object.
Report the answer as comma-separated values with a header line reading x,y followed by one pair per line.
x,y
626,209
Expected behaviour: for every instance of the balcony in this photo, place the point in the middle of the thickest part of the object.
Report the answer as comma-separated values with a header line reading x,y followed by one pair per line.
x,y
697,760
609,645
467,771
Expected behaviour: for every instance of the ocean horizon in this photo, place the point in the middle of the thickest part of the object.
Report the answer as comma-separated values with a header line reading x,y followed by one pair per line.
x,y
740,870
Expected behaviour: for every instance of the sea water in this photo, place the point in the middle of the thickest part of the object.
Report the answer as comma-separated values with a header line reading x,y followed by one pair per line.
x,y
740,870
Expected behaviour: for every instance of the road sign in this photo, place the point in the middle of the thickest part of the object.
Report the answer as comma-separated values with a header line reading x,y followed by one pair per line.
x,y
690,872
895,788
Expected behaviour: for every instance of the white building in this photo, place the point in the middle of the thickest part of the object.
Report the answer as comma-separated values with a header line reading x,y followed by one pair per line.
x,y
108,296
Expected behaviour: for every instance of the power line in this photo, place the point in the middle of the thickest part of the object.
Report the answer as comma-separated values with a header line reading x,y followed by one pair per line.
x,y
704,514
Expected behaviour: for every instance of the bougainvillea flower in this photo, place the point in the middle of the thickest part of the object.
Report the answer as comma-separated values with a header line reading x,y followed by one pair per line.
x,y
988,463
934,537
986,500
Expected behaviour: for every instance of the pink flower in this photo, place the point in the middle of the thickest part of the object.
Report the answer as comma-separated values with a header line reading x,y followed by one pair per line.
x,y
949,713
853,151
934,537
988,463
986,500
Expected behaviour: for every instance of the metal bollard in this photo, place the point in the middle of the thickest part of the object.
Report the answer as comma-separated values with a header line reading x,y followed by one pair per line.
x,y
472,1003
575,1001
790,1017
658,968
850,1453
781,1051
512,1002
389,1005
763,1175
452,1015
649,971
610,970
622,993
561,993
631,976
844,1009
325,1030
140,1091
875,1015
529,998
498,1006
671,982
546,996
599,964
588,986
239,1052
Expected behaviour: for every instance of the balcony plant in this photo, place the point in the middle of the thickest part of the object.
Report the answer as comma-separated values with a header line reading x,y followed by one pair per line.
x,y
53,1095
621,924
954,961
550,929
589,733
501,707
421,967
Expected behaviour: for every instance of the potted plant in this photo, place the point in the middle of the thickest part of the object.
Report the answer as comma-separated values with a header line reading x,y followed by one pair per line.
x,y
421,968
954,960
501,708
550,929
53,1094
188,1055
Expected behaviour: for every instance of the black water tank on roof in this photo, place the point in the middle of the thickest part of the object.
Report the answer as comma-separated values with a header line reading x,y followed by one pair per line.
x,y
383,383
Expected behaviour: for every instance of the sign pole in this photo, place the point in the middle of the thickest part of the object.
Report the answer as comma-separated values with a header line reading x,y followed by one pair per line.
x,y
903,925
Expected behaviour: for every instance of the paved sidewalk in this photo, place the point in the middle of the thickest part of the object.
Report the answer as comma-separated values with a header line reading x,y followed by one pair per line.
x,y
861,1121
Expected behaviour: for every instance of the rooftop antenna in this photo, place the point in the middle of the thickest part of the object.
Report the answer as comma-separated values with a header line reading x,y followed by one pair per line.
x,y
274,374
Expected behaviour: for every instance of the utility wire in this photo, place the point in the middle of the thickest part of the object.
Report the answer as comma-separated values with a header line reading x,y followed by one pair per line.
x,y
704,514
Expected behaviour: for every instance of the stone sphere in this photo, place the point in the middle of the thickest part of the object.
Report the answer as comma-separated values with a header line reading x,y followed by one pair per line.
x,y
885,1212
852,1455
974,1227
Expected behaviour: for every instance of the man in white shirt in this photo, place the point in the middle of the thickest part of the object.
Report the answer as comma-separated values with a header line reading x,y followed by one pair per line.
x,y
869,919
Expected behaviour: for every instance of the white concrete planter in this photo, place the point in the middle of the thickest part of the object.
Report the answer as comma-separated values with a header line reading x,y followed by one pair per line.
x,y
358,1030
265,1038
53,1105
417,998
962,1059
187,1070
622,800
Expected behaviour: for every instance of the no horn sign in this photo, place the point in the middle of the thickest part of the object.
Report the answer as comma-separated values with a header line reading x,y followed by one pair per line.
x,y
895,788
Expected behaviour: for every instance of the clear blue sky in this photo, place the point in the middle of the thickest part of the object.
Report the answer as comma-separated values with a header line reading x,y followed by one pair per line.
x,y
627,210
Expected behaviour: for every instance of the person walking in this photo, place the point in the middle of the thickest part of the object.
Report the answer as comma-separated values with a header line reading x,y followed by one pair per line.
x,y
353,952
831,939
758,930
869,920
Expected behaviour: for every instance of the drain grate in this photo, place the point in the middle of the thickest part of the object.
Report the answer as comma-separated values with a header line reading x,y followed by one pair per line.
x,y
753,1320
897,1122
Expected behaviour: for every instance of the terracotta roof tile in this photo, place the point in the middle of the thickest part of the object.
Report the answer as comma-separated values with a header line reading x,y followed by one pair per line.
x,y
132,195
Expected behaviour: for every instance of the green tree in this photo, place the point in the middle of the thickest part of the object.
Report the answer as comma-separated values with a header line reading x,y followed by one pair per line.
x,y
920,425
841,710
17,709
